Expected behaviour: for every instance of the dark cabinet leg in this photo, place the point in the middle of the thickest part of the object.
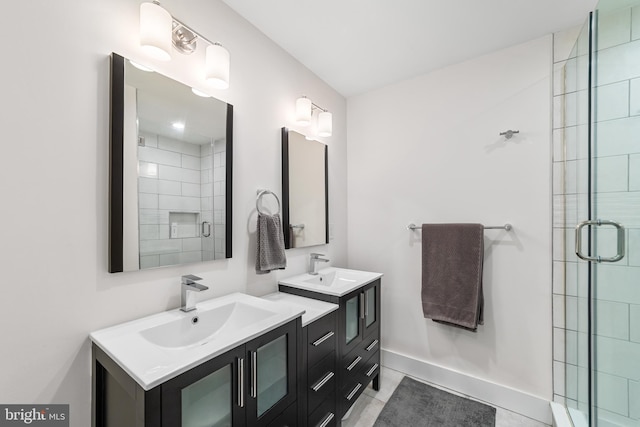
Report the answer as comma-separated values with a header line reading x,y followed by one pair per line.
x,y
376,382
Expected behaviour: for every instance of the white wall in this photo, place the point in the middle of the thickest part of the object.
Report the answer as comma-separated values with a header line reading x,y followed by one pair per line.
x,y
54,111
428,150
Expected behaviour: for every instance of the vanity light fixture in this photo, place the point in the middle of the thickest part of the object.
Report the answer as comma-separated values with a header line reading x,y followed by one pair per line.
x,y
325,124
159,31
141,67
304,113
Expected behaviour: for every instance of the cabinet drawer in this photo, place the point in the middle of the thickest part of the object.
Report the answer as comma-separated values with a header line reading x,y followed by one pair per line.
x,y
352,362
371,367
370,344
325,415
321,338
322,381
360,354
287,419
350,392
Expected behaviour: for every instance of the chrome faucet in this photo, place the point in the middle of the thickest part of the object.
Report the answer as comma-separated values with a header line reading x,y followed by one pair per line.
x,y
188,287
313,260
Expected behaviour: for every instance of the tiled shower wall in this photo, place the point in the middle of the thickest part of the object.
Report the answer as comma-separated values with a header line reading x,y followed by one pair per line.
x,y
206,199
169,181
616,189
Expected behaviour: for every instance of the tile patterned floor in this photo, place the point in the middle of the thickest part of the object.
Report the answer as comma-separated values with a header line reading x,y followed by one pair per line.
x,y
370,404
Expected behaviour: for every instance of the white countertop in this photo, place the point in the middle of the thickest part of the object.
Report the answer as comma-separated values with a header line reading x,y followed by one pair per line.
x,y
314,309
152,364
332,280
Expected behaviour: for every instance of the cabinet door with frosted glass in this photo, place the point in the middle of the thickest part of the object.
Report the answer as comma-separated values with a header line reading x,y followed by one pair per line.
x,y
271,374
211,394
371,310
351,307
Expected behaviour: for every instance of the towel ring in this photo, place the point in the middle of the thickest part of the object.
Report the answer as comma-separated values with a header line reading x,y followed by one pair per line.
x,y
261,193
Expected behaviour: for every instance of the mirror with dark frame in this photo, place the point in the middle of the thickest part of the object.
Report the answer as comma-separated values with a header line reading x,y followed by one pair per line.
x,y
171,158
305,191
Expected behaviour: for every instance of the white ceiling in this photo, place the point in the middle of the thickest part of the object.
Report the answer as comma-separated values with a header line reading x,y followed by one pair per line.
x,y
359,45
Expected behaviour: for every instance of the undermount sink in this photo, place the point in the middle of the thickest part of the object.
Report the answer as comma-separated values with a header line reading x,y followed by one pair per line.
x,y
156,348
198,328
332,280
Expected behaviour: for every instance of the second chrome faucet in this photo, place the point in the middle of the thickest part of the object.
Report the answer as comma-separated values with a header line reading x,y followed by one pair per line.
x,y
188,287
313,260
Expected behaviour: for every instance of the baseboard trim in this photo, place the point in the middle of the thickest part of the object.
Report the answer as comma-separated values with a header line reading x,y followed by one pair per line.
x,y
494,394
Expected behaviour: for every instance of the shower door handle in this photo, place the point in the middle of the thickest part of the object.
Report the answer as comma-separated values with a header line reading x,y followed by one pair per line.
x,y
206,225
599,222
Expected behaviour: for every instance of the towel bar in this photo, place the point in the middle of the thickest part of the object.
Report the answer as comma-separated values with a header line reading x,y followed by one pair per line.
x,y
507,227
259,195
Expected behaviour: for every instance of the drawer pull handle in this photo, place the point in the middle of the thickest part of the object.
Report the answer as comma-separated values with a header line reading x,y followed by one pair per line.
x,y
354,391
254,375
241,382
323,339
323,381
372,370
327,420
354,363
372,345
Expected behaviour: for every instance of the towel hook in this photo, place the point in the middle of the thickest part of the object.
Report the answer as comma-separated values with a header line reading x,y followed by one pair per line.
x,y
261,193
509,134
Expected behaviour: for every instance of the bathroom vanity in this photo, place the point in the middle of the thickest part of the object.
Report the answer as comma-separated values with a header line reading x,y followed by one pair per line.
x,y
238,369
317,375
300,357
357,351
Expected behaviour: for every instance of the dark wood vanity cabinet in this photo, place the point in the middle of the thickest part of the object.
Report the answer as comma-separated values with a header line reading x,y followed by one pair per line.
x,y
318,376
254,384
357,346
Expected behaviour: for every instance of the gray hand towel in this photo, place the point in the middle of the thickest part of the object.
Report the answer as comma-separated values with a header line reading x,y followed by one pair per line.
x,y
270,248
452,257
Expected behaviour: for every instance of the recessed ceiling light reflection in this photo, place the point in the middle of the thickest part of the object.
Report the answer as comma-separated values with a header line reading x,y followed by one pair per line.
x,y
178,125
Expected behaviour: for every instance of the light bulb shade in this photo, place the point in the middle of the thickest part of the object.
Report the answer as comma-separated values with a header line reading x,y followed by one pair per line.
x,y
200,93
325,124
303,111
155,31
217,66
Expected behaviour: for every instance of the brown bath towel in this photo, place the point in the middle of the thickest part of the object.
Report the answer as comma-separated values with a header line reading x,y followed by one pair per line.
x,y
452,256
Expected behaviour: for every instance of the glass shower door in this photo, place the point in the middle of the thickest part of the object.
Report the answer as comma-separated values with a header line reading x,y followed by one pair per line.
x,y
615,160
607,237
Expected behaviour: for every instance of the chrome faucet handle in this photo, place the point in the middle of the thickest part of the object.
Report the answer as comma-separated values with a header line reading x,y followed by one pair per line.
x,y
315,255
189,279
189,286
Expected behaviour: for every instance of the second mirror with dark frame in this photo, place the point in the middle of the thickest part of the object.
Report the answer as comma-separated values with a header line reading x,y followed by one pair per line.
x,y
305,191
170,172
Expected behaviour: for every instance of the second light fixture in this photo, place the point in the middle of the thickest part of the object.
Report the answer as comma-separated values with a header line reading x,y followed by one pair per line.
x,y
304,114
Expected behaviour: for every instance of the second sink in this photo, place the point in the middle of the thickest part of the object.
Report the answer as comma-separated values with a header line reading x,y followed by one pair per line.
x,y
332,280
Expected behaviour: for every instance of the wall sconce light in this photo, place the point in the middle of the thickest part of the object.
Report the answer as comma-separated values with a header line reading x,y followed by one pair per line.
x,y
304,112
159,31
